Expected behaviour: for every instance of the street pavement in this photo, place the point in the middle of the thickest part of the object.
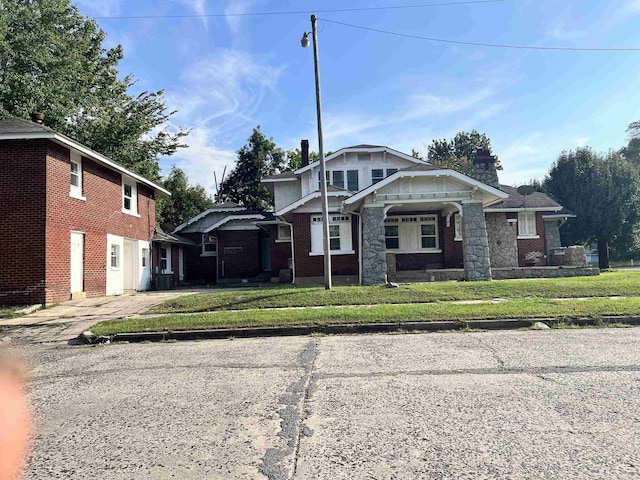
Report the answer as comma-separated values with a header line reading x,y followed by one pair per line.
x,y
551,404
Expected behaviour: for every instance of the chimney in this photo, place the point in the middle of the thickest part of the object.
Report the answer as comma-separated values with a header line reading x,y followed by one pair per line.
x,y
304,146
37,117
484,168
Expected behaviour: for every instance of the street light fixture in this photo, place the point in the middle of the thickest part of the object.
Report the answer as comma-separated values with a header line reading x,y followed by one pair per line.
x,y
323,170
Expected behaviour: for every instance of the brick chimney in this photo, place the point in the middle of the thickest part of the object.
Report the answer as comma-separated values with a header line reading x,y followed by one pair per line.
x,y
37,117
304,146
484,168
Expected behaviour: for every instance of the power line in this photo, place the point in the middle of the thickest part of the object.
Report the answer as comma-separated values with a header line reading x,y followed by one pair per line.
x,y
479,44
298,12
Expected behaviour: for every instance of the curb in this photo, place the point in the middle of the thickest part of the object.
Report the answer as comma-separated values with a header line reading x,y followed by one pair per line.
x,y
340,329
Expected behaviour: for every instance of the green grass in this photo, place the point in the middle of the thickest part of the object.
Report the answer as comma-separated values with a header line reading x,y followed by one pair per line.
x,y
619,283
517,308
9,311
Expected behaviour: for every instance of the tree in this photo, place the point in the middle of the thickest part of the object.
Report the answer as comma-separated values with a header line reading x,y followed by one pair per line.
x,y
294,159
603,190
632,151
185,202
259,157
52,60
458,153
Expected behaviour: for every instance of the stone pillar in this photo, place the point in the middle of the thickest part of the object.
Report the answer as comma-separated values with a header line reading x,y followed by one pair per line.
x,y
374,252
475,243
551,237
503,240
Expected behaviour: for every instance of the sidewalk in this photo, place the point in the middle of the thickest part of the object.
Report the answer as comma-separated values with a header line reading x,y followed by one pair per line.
x,y
66,321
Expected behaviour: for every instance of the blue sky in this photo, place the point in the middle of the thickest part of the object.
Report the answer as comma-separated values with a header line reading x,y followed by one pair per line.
x,y
225,75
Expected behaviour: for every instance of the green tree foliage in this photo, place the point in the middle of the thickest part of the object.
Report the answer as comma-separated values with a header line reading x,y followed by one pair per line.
x,y
603,190
632,150
457,153
52,61
186,201
294,159
259,157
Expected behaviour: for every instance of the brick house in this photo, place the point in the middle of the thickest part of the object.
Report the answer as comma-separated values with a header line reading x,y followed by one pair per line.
x,y
74,222
396,217
226,245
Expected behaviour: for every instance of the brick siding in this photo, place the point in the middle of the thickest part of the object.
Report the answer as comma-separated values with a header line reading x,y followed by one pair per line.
x,y
280,252
46,215
528,245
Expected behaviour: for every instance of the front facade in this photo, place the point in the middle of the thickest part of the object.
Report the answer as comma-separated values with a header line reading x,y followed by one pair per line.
x,y
75,223
395,217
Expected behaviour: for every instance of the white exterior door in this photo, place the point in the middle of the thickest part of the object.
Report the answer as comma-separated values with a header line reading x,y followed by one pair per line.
x,y
77,262
129,265
144,264
115,276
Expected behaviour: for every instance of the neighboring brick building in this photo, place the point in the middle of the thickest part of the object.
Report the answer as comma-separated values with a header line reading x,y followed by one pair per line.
x,y
393,216
74,222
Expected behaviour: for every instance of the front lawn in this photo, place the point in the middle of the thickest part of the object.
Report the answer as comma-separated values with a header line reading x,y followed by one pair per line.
x,y
518,308
619,283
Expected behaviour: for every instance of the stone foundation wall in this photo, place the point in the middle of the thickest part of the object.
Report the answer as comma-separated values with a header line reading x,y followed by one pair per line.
x,y
503,240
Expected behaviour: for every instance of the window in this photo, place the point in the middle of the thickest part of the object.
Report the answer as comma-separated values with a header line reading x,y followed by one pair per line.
x,y
338,178
129,197
209,245
364,157
115,256
76,176
340,241
391,171
391,237
145,255
428,232
527,224
165,259
377,174
284,233
327,175
352,180
334,237
457,227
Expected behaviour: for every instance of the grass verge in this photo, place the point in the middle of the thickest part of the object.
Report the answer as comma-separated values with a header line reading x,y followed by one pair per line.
x,y
618,283
519,308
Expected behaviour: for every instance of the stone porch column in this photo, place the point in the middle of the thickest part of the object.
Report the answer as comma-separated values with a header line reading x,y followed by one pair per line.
x,y
374,256
475,243
552,237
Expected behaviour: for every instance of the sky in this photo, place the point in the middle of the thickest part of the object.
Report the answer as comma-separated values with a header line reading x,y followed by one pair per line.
x,y
227,74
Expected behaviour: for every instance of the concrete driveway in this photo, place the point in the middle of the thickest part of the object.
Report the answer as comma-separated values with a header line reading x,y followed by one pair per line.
x,y
554,404
66,321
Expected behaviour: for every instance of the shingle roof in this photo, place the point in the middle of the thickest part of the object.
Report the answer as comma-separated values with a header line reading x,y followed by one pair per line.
x,y
162,236
515,200
279,176
19,125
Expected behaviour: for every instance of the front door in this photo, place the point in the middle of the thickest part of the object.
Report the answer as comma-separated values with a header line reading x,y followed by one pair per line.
x,y
77,262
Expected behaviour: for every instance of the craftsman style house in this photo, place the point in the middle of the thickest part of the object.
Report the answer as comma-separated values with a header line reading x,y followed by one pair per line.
x,y
74,222
396,217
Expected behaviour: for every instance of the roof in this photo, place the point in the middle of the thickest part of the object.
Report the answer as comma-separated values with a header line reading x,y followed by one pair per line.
x,y
20,129
280,177
218,208
331,192
164,237
364,148
535,201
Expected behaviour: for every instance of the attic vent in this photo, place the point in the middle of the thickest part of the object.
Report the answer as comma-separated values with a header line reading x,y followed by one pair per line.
x,y
364,157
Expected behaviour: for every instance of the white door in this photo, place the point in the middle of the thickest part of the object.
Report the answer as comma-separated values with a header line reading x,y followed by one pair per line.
x,y
145,265
77,262
129,264
181,264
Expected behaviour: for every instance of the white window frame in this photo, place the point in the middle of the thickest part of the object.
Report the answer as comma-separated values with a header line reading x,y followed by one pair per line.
x,y
75,191
284,233
335,219
429,220
388,236
334,179
527,225
457,227
377,178
115,257
206,240
133,198
167,258
391,171
357,180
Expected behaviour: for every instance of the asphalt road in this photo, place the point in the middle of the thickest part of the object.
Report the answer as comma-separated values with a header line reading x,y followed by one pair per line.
x,y
550,404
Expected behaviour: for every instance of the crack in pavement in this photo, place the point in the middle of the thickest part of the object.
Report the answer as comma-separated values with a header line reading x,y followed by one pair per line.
x,y
538,371
291,419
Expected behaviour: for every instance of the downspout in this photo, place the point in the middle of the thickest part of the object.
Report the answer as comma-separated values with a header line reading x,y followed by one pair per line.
x,y
293,256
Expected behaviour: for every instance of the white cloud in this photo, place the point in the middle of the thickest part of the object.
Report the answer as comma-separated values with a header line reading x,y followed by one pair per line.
x,y
198,7
560,31
581,141
102,8
633,6
235,22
